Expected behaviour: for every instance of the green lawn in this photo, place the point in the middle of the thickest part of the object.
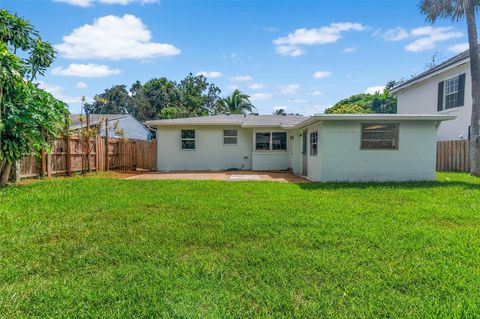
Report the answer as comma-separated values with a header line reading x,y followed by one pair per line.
x,y
99,247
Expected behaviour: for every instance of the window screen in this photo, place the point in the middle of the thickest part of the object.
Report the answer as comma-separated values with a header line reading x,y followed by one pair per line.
x,y
379,136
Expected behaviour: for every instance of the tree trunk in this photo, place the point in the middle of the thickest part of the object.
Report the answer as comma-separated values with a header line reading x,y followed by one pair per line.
x,y
5,174
475,73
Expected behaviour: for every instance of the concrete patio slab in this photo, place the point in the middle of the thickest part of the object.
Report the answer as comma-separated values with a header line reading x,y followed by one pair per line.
x,y
223,176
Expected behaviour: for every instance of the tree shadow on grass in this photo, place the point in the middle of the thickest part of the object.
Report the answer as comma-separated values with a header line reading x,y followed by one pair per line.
x,y
389,185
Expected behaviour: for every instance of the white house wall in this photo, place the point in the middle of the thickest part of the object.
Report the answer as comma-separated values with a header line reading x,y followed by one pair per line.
x,y
210,152
341,159
421,98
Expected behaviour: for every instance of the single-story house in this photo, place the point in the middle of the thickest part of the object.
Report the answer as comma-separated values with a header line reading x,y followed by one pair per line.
x,y
329,147
132,128
443,89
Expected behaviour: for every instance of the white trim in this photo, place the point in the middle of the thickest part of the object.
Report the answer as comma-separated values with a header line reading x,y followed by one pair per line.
x,y
428,76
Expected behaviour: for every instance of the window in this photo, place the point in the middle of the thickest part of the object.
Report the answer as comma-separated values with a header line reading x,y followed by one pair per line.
x,y
230,137
451,93
262,141
313,143
379,136
279,141
271,141
188,139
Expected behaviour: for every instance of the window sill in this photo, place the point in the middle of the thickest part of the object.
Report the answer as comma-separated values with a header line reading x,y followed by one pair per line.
x,y
187,150
270,151
453,109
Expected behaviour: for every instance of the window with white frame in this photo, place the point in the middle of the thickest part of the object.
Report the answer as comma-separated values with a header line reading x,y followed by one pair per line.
x,y
188,139
271,141
230,137
313,143
451,92
378,136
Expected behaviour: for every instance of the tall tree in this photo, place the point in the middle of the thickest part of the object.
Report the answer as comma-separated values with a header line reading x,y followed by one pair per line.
x,y
279,112
457,10
115,100
237,103
29,116
198,96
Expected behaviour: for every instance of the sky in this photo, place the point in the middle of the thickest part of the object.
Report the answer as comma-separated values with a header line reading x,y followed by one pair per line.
x,y
299,55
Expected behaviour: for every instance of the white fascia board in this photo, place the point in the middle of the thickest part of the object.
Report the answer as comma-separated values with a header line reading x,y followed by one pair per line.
x,y
428,76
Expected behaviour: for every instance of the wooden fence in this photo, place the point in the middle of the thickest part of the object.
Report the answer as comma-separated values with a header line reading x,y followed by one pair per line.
x,y
453,156
69,155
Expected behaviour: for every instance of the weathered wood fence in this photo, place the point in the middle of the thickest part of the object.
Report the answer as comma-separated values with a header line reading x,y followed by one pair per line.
x,y
69,155
453,156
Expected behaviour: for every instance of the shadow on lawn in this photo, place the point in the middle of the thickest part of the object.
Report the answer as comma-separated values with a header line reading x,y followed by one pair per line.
x,y
392,185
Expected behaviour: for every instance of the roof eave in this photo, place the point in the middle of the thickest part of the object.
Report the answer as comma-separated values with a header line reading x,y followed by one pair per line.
x,y
428,76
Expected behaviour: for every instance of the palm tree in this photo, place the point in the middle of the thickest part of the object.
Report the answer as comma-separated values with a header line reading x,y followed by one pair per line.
x,y
456,10
237,103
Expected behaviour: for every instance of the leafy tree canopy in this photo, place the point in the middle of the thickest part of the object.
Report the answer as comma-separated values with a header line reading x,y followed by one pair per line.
x,y
379,102
29,116
160,98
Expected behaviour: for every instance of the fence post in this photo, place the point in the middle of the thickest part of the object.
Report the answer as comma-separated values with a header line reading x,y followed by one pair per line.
x,y
43,160
49,164
107,146
68,156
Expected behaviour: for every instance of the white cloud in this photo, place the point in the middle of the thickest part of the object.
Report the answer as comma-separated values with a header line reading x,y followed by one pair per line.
x,y
280,107
260,96
210,74
257,86
392,35
58,92
289,88
322,74
374,89
289,50
79,3
315,93
458,48
88,3
81,85
423,38
289,45
349,50
86,70
115,38
429,37
298,101
241,78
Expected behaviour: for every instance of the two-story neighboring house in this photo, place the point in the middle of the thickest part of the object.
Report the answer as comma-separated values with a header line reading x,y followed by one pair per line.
x,y
443,89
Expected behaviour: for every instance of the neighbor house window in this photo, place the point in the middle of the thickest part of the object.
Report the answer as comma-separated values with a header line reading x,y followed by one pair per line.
x,y
188,139
271,141
313,143
230,137
379,136
451,93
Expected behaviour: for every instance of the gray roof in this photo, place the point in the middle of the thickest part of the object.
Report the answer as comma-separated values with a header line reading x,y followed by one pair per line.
x,y
236,119
452,61
94,118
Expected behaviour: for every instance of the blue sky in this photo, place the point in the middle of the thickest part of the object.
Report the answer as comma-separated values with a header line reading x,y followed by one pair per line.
x,y
300,55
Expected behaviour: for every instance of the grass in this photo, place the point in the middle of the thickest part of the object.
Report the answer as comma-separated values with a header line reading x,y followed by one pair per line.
x,y
111,248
